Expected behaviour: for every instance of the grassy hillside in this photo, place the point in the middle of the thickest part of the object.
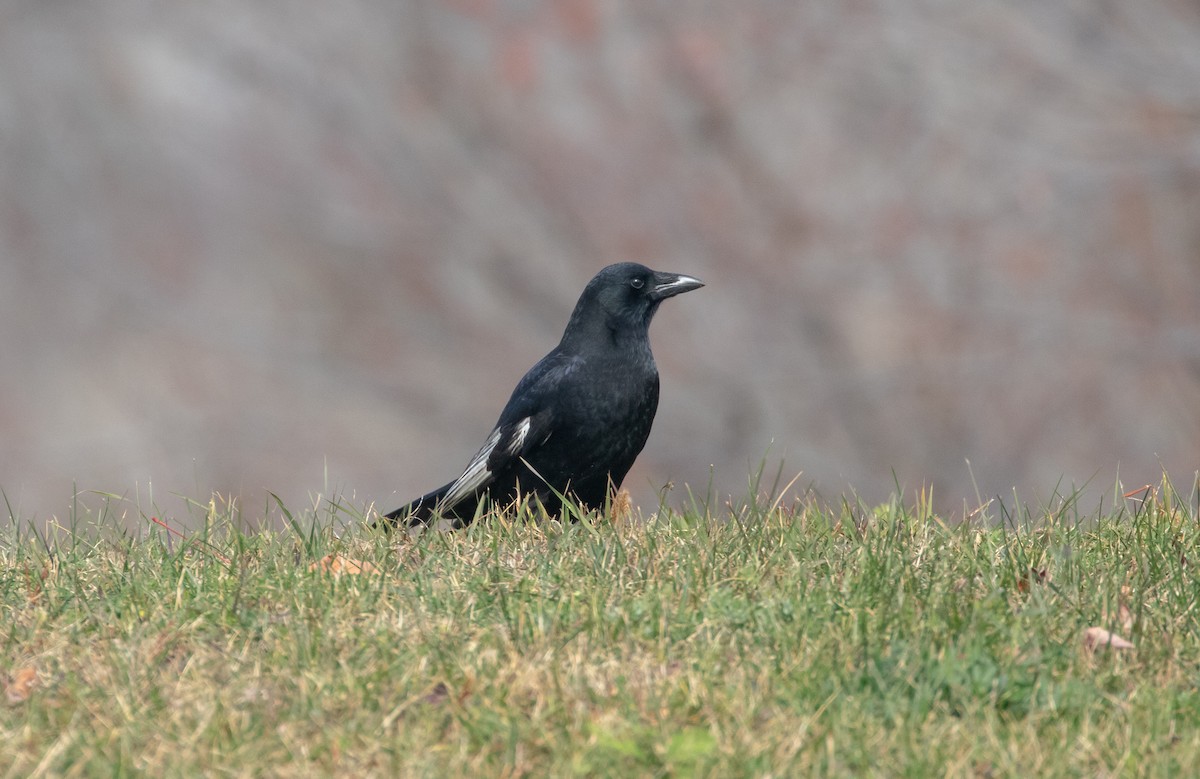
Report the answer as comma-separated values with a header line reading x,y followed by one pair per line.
x,y
741,641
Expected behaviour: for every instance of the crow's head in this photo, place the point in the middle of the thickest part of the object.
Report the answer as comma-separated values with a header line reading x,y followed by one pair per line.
x,y
622,298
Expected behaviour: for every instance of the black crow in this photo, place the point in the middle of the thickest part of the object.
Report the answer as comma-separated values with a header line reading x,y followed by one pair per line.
x,y
578,419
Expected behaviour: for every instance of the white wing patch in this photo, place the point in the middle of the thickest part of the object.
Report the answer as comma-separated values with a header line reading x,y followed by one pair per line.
x,y
518,438
477,474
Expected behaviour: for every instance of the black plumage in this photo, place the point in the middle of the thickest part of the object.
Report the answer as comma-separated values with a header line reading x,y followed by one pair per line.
x,y
578,419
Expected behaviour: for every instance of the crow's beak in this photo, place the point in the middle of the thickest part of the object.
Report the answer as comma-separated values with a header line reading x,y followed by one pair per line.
x,y
670,284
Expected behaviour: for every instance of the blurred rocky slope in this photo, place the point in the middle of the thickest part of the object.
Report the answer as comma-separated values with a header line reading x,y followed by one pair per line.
x,y
306,246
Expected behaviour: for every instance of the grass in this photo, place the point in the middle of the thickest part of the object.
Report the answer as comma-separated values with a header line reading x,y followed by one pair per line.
x,y
758,640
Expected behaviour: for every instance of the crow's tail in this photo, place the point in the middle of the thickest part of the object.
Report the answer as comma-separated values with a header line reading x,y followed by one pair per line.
x,y
419,512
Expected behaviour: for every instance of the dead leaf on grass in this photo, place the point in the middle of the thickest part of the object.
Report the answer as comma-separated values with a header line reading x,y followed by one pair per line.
x,y
439,694
1030,577
1096,638
35,581
21,684
338,565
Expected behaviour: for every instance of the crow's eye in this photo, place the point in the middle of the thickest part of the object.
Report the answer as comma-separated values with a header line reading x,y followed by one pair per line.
x,y
637,283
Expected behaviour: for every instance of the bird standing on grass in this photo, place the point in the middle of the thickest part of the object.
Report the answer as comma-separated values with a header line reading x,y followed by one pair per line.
x,y
578,419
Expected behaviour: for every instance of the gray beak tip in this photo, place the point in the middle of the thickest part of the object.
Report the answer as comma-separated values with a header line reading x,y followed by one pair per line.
x,y
676,284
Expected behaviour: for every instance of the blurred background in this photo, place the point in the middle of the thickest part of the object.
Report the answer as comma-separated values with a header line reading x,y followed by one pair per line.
x,y
310,247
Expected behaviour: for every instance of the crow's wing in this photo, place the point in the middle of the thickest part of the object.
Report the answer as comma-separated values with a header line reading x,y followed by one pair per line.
x,y
499,452
526,422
